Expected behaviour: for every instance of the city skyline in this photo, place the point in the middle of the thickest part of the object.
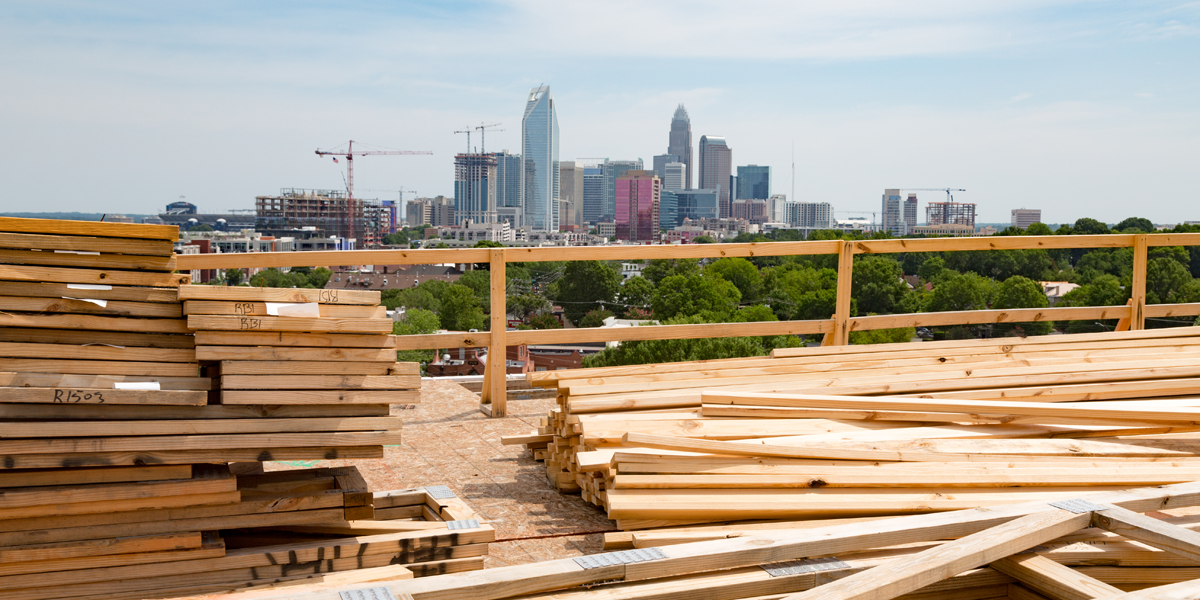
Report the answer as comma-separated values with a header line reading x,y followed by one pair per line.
x,y
1079,109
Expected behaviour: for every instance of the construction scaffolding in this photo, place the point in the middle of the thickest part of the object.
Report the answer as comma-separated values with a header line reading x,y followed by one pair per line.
x,y
950,213
324,213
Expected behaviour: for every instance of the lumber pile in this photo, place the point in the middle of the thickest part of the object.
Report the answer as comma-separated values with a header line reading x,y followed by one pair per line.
x,y
1138,544
873,431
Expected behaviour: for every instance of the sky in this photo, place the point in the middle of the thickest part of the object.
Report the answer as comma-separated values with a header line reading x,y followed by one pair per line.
x,y
1077,108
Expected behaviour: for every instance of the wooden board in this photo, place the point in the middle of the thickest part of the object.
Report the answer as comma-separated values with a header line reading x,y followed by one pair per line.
x,y
96,228
283,353
293,339
95,475
67,258
300,367
252,294
336,311
118,412
25,241
102,323
108,367
319,325
117,292
320,382
66,305
320,397
92,276
95,352
57,429
104,382
79,338
196,442
33,395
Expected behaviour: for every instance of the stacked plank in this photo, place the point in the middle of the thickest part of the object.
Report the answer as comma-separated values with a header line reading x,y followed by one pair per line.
x,y
1137,544
855,432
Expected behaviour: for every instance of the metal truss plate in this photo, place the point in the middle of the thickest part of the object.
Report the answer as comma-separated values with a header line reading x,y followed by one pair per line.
x,y
439,492
623,557
463,524
1078,506
808,565
375,593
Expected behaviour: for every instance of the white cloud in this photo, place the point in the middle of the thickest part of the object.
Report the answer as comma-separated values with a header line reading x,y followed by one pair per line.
x,y
1020,97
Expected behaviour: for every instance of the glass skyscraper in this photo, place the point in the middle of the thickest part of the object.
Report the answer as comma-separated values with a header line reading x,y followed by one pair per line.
x,y
680,143
716,160
697,204
612,170
593,194
753,182
508,178
539,148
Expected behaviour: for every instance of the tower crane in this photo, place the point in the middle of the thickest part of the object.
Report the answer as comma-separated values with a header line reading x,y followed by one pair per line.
x,y
482,129
468,132
949,198
349,153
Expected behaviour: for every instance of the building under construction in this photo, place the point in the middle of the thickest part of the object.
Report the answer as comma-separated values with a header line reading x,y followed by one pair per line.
x,y
475,188
323,213
950,213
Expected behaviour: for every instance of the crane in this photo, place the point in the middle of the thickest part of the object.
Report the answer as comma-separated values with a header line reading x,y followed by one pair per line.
x,y
482,129
349,153
468,132
949,198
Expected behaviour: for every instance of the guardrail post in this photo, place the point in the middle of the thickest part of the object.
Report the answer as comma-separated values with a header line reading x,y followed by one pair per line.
x,y
1137,313
494,396
841,315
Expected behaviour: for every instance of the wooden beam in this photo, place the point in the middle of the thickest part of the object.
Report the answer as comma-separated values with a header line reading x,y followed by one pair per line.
x,y
845,281
93,276
294,339
668,332
1148,530
973,317
299,324
252,294
335,311
1053,580
496,372
25,241
1138,286
95,228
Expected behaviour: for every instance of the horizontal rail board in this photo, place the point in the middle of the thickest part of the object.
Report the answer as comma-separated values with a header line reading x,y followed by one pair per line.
x,y
434,341
976,317
1015,242
1190,309
667,332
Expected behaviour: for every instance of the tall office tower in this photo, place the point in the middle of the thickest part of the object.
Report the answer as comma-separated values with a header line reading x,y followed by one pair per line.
x,y
893,219
661,161
570,189
680,143
612,170
810,215
539,149
668,208
910,213
1024,217
593,194
716,160
474,188
637,209
508,178
753,182
697,204
674,174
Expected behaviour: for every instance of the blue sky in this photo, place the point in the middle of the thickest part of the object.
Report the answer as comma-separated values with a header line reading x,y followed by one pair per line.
x,y
1077,108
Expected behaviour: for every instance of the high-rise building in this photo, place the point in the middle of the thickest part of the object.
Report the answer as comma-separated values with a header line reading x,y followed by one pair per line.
x,y
754,211
637,208
673,176
697,204
754,182
910,213
716,160
1024,217
593,194
612,170
680,143
438,212
893,218
668,208
474,188
777,205
809,215
539,150
508,178
950,213
661,161
570,189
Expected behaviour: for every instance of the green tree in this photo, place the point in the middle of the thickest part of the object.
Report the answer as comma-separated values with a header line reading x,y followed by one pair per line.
x,y
585,286
480,282
883,336
659,351
660,268
416,322
200,227
1165,281
1104,290
595,317
234,276
545,321
1021,292
799,292
711,298
523,306
962,291
487,244
931,269
1039,229
460,309
1135,225
635,293
742,274
1086,226
704,239
878,284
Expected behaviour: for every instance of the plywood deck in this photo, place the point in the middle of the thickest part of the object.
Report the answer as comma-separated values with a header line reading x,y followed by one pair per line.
x,y
448,441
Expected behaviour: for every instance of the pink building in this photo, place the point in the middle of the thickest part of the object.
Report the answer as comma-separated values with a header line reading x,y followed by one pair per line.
x,y
637,206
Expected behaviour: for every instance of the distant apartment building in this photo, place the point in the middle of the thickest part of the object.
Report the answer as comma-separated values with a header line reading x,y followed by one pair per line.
x,y
327,212
697,204
954,229
675,174
893,216
910,213
777,208
473,233
539,150
570,189
809,215
612,170
754,211
606,229
950,213
593,194
1024,217
716,161
680,143
474,188
508,178
437,211
637,206
753,182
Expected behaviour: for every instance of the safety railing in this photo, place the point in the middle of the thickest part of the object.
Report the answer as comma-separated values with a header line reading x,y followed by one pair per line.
x,y
836,329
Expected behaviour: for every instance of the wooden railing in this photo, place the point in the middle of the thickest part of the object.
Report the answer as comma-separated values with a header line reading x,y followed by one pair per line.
x,y
837,329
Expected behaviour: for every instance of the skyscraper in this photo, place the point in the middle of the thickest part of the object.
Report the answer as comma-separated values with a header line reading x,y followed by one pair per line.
x,y
716,160
696,204
474,188
673,176
593,193
508,178
680,142
661,161
910,213
893,219
612,170
539,149
668,207
570,187
637,206
753,182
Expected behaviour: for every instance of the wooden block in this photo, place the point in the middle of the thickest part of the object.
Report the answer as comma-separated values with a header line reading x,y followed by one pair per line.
x,y
241,309
355,490
27,335
360,513
293,339
104,382
94,228
320,397
319,382
116,308
66,258
125,545
116,292
61,566
56,429
319,325
113,412
78,477
32,395
95,352
302,367
134,504
197,442
91,367
251,294
97,322
262,353
25,241
92,276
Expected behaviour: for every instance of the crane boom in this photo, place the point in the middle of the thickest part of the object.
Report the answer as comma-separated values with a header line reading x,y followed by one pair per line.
x,y
349,153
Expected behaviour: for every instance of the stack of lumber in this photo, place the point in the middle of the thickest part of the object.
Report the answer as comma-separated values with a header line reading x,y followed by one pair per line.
x,y
1138,544
171,531
298,346
870,431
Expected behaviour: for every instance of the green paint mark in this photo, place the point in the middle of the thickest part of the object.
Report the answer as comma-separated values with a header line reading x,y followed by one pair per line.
x,y
299,463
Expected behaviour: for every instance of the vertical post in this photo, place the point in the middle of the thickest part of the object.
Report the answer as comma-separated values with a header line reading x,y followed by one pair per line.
x,y
841,315
494,396
1137,314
